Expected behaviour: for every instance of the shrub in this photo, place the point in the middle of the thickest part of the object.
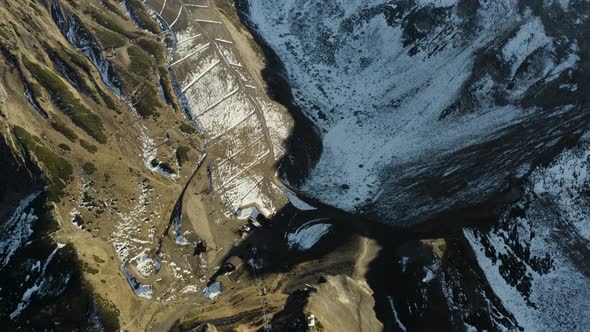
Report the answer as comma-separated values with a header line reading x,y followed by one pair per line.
x,y
64,147
153,48
109,39
76,58
140,63
107,21
29,20
146,101
61,127
187,128
89,168
167,87
63,63
108,101
115,9
141,17
182,154
109,314
89,147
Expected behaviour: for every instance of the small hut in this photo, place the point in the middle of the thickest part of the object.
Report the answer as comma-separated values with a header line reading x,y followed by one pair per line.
x,y
232,269
234,263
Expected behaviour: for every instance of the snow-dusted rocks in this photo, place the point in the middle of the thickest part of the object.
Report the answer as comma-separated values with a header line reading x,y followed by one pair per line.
x,y
17,229
145,264
247,213
536,259
424,104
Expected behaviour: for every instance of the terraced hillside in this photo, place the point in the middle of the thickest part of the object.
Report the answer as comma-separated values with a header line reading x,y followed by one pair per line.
x,y
243,130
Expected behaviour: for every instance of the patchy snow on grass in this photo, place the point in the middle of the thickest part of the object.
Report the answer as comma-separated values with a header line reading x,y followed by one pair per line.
x,y
150,153
145,291
178,234
190,289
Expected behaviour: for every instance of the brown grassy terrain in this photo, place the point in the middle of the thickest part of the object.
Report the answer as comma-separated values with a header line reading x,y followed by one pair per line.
x,y
112,193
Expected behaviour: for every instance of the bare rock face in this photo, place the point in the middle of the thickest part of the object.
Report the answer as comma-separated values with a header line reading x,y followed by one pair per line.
x,y
2,97
425,106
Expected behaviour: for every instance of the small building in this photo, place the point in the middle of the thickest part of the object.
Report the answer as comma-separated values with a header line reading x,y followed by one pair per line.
x,y
234,263
232,268
250,213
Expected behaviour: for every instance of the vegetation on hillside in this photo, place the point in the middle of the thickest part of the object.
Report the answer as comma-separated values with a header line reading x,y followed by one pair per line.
x,y
65,100
89,168
61,127
182,154
89,147
109,22
140,63
141,16
187,128
114,8
153,48
109,39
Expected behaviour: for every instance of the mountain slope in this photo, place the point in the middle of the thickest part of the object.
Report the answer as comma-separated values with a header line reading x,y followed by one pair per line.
x,y
89,107
536,257
429,105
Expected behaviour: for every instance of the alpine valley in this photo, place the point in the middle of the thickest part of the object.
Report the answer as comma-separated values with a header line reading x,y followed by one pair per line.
x,y
294,165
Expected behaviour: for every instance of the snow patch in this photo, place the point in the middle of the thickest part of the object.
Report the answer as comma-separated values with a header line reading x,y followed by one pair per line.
x,y
212,291
146,266
306,236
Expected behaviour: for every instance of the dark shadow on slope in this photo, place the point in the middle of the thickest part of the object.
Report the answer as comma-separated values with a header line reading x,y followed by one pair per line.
x,y
42,287
386,276
389,280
